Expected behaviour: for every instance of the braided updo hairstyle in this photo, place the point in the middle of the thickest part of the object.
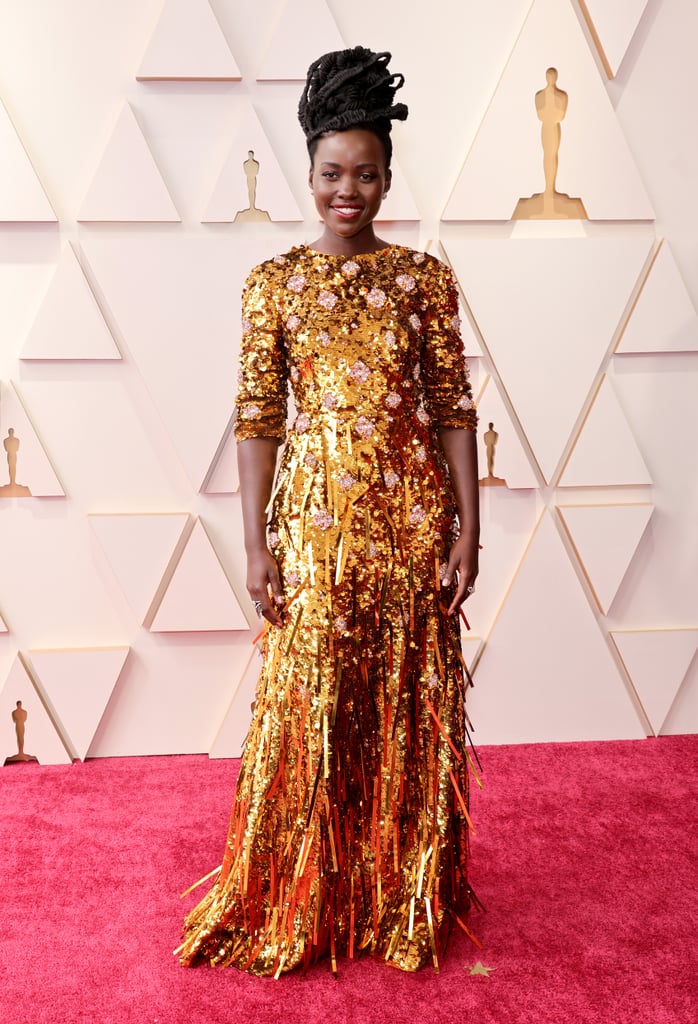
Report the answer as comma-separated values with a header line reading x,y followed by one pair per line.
x,y
350,89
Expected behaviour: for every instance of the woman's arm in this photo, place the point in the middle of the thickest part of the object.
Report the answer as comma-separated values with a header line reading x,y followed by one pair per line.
x,y
460,449
257,465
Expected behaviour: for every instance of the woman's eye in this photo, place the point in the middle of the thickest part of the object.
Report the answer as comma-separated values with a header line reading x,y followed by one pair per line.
x,y
329,174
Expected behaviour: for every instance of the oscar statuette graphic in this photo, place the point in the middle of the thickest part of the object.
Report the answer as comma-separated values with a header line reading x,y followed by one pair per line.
x,y
490,437
19,717
251,169
11,445
551,107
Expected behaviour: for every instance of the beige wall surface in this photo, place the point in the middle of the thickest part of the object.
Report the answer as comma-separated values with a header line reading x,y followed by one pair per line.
x,y
125,628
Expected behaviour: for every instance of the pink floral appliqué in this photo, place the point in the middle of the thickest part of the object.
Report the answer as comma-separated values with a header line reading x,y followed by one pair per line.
x,y
322,519
296,283
246,325
419,257
423,416
376,298
465,403
406,282
421,454
324,338
415,322
329,400
417,515
250,412
360,372
392,400
293,322
346,481
328,300
311,461
391,479
390,339
364,427
302,423
350,268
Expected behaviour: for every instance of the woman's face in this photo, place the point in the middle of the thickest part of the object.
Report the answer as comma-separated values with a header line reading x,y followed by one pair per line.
x,y
349,180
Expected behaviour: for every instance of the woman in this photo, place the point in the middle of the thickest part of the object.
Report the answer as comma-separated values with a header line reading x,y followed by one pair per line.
x,y
349,826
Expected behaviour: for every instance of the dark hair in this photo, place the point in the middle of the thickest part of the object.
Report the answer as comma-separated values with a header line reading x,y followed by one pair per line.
x,y
350,89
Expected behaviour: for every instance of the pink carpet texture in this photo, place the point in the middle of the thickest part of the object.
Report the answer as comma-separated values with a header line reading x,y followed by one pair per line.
x,y
585,857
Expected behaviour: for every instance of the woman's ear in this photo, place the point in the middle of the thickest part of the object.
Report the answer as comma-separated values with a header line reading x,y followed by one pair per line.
x,y
388,183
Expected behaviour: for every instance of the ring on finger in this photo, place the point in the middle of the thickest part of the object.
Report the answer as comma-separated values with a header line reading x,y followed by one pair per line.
x,y
469,590
258,608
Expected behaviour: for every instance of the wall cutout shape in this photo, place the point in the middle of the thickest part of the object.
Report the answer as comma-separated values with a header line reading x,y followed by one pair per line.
x,y
3,626
22,197
605,452
612,26
502,458
251,184
657,661
222,477
127,185
188,45
304,30
565,667
565,297
141,550
605,538
199,596
38,735
595,161
78,684
25,469
663,318
69,323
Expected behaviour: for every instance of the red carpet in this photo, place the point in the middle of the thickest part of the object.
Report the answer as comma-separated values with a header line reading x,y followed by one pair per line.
x,y
585,857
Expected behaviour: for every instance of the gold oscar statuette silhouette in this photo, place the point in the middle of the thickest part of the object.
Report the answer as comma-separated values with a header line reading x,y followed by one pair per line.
x,y
251,169
19,717
490,438
551,107
13,489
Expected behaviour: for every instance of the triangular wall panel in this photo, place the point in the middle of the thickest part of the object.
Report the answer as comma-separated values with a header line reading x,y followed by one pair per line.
x,y
127,185
3,625
34,474
612,26
605,538
230,738
505,162
41,736
605,453
663,319
222,477
565,298
269,187
511,463
69,323
22,197
78,684
140,548
546,673
188,45
657,661
305,29
199,596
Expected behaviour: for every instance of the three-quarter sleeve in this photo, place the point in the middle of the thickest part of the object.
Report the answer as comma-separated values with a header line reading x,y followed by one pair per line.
x,y
263,372
447,393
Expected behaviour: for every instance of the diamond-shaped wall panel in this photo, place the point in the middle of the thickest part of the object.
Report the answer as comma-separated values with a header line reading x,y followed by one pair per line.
x,y
664,318
612,27
304,30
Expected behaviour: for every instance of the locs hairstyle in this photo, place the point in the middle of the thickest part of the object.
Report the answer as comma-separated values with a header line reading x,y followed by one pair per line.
x,y
350,89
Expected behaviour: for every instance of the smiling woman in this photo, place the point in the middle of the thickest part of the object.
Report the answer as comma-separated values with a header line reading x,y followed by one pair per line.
x,y
349,829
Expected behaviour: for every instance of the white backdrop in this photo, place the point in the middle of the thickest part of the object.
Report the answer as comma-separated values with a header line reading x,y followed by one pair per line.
x,y
124,623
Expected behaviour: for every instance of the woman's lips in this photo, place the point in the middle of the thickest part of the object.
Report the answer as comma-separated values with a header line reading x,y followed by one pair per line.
x,y
347,212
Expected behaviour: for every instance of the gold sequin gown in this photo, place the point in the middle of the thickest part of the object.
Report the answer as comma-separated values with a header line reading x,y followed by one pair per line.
x,y
349,828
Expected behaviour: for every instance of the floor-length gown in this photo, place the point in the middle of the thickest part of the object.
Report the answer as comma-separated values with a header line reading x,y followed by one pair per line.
x,y
349,828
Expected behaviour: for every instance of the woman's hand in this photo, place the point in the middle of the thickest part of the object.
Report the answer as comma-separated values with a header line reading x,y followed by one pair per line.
x,y
463,566
264,585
